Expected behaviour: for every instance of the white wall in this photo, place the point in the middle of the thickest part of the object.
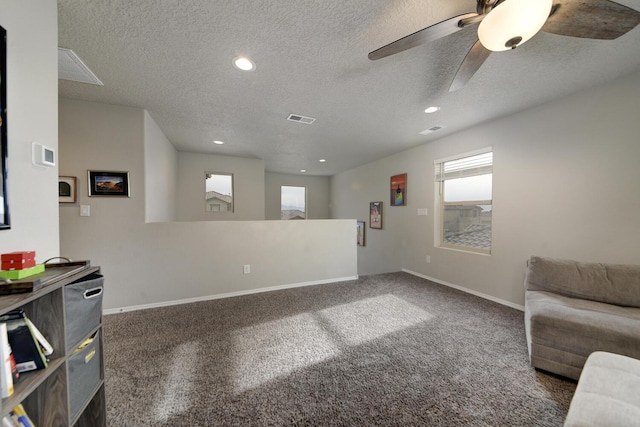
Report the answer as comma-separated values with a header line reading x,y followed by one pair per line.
x,y
166,262
317,188
32,115
96,136
565,185
161,173
352,191
248,187
157,263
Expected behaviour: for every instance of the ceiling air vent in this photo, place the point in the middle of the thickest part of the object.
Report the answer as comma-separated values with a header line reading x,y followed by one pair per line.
x,y
71,67
431,129
301,119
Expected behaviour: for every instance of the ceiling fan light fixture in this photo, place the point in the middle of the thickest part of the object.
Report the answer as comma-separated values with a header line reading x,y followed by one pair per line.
x,y
512,23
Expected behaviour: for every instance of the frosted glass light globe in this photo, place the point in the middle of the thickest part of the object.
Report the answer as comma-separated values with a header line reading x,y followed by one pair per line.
x,y
512,23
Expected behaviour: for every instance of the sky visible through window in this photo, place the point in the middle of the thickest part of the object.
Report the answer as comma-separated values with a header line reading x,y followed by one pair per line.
x,y
469,179
292,198
219,183
469,188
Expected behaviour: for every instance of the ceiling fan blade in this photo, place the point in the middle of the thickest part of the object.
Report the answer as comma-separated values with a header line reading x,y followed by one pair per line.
x,y
591,19
425,35
472,63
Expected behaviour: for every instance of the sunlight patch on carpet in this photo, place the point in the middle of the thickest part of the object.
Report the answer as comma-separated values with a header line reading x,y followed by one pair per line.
x,y
275,349
365,320
177,388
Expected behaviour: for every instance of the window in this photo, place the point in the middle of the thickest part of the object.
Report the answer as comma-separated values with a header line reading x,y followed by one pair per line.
x,y
218,192
465,199
293,202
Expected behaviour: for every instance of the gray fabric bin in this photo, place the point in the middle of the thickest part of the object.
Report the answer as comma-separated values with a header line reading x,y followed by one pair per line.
x,y
84,374
83,308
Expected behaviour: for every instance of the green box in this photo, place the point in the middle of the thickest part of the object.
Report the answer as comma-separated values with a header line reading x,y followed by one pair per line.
x,y
21,274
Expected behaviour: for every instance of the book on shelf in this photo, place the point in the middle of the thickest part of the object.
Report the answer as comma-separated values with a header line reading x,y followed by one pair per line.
x,y
18,417
6,376
46,348
19,313
28,349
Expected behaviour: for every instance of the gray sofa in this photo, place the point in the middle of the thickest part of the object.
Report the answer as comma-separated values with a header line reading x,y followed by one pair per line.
x,y
573,309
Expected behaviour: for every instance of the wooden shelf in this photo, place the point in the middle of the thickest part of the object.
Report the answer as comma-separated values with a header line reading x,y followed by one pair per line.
x,y
27,383
53,278
45,393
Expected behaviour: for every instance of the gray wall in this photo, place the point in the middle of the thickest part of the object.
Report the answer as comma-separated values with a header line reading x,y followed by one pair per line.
x,y
565,185
151,264
32,115
161,174
248,187
317,194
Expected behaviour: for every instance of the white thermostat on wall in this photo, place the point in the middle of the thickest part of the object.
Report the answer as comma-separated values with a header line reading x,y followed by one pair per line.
x,y
43,155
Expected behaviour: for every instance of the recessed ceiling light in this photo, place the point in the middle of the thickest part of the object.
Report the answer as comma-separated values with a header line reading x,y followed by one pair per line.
x,y
303,170
243,63
432,110
322,160
218,142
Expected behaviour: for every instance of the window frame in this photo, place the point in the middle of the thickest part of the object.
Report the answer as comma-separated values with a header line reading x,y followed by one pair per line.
x,y
306,214
233,201
441,204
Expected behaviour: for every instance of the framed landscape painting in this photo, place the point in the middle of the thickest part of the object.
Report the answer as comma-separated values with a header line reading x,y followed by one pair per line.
x,y
108,183
399,190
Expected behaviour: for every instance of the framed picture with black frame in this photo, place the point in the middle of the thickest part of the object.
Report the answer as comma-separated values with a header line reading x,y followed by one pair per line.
x,y
108,183
5,222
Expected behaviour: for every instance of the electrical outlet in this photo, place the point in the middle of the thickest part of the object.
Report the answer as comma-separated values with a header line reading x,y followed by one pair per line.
x,y
247,268
428,259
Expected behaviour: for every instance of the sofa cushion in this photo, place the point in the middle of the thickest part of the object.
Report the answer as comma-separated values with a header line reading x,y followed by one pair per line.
x,y
607,393
610,283
579,327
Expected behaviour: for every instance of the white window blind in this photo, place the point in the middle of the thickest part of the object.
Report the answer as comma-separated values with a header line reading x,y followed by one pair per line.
x,y
479,164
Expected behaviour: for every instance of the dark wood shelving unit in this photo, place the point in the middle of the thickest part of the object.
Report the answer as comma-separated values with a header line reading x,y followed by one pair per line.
x,y
45,393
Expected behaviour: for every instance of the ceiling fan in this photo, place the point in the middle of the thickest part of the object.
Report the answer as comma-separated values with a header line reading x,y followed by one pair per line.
x,y
506,24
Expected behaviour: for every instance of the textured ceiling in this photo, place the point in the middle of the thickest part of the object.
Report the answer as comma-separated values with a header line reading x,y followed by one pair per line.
x,y
174,58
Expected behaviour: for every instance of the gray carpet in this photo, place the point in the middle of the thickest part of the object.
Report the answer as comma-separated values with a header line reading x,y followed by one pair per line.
x,y
391,349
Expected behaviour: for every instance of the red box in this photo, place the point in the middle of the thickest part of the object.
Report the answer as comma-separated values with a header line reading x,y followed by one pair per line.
x,y
18,265
18,260
18,256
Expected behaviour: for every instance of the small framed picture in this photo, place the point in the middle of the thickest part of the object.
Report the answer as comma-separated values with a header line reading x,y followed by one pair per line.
x,y
399,190
375,215
108,183
67,189
361,228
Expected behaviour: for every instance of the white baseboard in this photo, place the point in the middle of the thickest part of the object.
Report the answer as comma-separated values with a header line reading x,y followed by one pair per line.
x,y
226,295
467,290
